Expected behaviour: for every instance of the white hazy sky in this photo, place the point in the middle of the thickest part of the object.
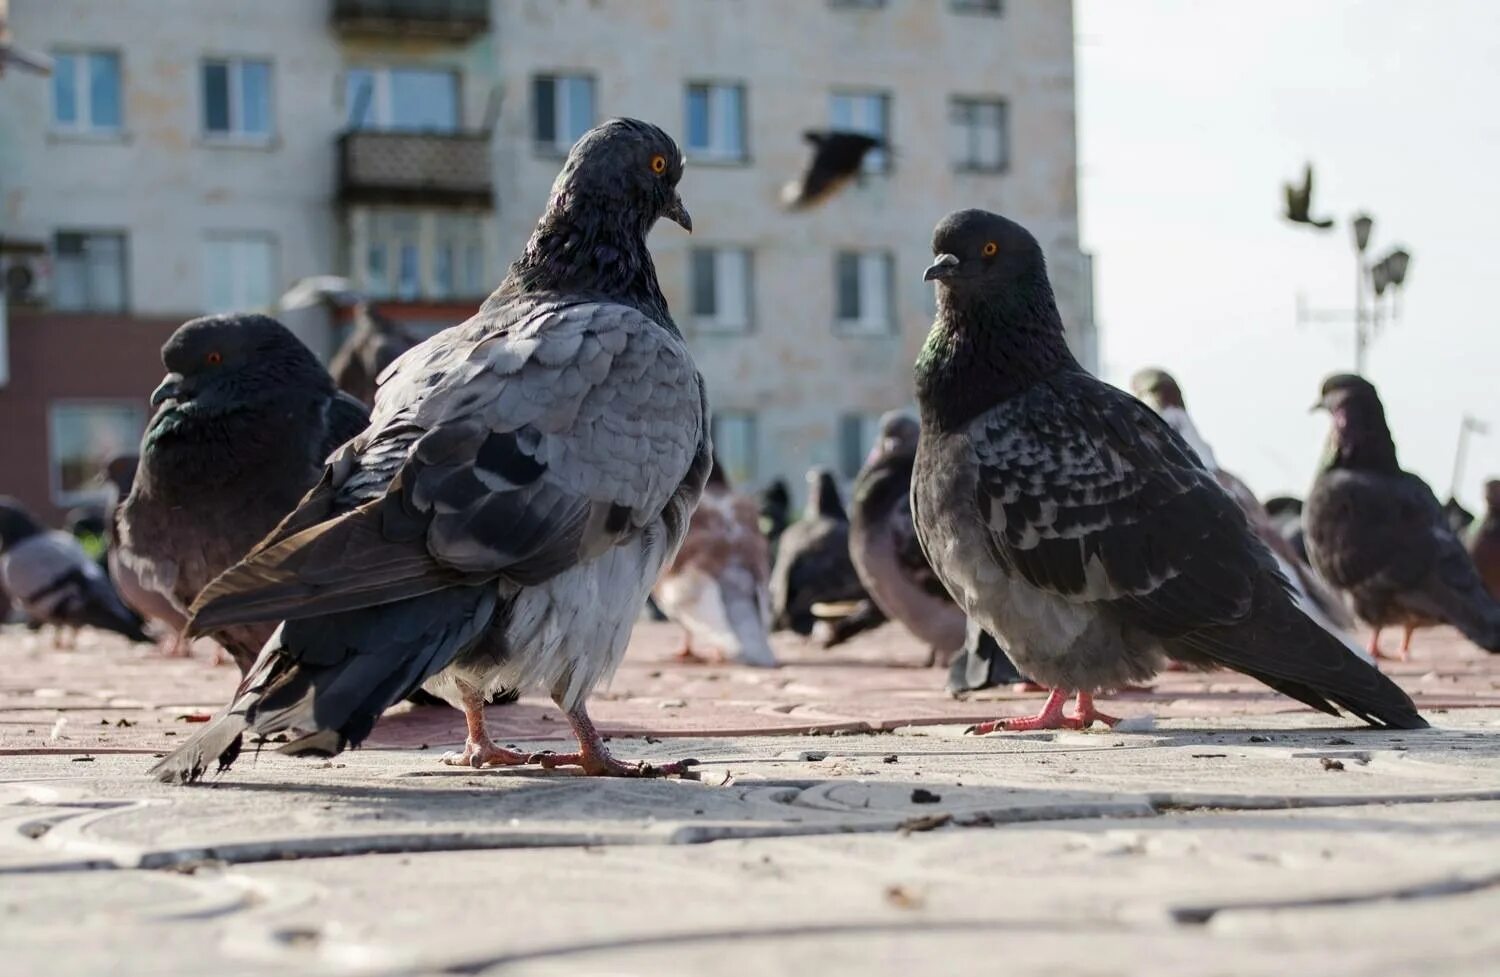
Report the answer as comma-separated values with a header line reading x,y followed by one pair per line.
x,y
1193,112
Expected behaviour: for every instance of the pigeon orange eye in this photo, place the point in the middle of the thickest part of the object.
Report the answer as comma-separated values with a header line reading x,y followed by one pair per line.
x,y
214,359
658,164
989,249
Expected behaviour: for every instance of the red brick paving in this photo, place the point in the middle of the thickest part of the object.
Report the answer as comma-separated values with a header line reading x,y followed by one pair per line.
x,y
111,697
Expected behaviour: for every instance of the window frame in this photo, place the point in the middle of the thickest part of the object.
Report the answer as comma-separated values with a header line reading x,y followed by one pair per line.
x,y
238,236
717,324
64,498
866,428
555,147
709,154
863,327
90,306
236,135
83,103
751,419
382,93
972,102
431,233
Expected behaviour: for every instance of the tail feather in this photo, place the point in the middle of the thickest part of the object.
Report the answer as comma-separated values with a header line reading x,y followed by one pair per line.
x,y
219,742
1461,599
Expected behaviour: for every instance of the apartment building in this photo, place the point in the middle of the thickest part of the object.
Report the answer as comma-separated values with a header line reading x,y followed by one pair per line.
x,y
197,155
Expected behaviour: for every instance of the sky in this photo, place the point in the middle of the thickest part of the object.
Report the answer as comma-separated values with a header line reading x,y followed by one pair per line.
x,y
1192,114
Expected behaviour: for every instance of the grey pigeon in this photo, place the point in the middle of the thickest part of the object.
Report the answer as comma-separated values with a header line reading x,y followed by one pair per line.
x,y
118,478
54,580
1285,512
812,560
1073,524
883,543
1378,533
1159,390
1299,202
524,478
837,157
244,420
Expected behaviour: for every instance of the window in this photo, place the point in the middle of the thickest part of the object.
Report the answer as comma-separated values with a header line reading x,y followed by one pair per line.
x,y
977,6
716,122
564,110
88,271
86,91
411,254
864,292
239,272
721,289
869,113
857,433
734,445
977,130
83,436
402,99
237,99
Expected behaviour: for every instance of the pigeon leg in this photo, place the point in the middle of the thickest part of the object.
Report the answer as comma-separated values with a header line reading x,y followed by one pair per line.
x,y
1405,653
1085,715
686,654
595,758
1051,717
480,750
1379,655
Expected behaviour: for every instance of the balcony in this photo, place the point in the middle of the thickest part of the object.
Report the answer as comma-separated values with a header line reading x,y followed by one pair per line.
x,y
451,169
449,20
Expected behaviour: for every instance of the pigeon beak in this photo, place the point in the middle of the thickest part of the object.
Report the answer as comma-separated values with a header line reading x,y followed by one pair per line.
x,y
943,266
677,214
170,388
1317,406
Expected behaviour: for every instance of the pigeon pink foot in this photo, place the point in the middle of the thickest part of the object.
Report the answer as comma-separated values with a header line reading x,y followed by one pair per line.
x,y
595,759
1051,716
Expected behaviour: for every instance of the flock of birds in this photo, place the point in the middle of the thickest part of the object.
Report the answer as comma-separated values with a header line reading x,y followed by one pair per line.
x,y
493,514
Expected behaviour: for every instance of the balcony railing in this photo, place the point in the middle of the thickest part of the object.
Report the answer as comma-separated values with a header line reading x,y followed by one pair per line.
x,y
454,20
415,167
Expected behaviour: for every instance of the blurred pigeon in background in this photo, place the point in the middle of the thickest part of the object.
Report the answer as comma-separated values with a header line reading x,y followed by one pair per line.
x,y
1378,533
244,420
717,587
54,580
1157,388
1459,519
812,562
1299,202
525,477
775,512
1285,513
373,342
118,478
836,160
1484,540
1073,524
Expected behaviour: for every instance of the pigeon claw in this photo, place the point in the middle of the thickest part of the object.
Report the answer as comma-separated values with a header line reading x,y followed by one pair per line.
x,y
484,754
1051,716
603,764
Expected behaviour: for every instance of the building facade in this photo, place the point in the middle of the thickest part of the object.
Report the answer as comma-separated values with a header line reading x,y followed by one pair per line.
x,y
202,155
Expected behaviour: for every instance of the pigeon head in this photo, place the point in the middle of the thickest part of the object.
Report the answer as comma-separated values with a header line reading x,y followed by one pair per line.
x,y
119,472
16,523
823,499
899,432
1157,388
1360,437
977,253
223,363
628,166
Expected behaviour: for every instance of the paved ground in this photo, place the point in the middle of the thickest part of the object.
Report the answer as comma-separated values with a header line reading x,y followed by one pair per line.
x,y
1230,833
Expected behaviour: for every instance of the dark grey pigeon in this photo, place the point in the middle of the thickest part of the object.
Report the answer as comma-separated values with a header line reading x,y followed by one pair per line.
x,y
1073,524
53,579
244,420
812,561
1378,533
118,478
524,478
836,160
374,341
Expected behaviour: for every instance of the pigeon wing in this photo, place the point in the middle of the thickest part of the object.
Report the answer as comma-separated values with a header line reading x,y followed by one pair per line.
x,y
509,453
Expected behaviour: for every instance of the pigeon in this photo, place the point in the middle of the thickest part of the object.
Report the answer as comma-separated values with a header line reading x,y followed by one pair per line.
x,y
525,477
244,420
373,343
54,580
1160,391
717,587
775,512
86,524
1285,512
883,543
1073,524
160,610
1484,540
837,158
1299,202
1378,533
812,562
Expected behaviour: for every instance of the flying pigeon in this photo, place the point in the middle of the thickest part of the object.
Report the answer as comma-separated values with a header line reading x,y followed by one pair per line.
x,y
883,543
1073,524
717,587
54,580
244,420
1299,202
525,477
1157,389
373,343
837,158
1484,540
1378,533
812,562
